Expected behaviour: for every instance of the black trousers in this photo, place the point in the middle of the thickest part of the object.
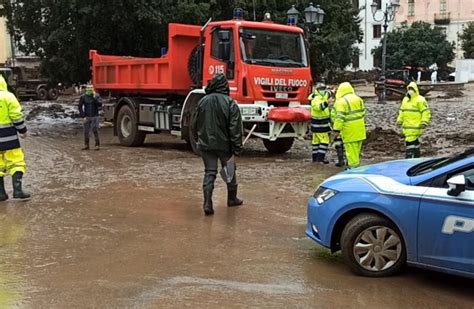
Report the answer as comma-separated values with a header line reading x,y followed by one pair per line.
x,y
210,159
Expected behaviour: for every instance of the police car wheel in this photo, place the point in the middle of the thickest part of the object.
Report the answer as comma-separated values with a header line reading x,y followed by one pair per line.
x,y
372,246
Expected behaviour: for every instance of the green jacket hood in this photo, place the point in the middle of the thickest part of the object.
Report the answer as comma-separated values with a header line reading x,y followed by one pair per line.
x,y
344,89
414,86
3,84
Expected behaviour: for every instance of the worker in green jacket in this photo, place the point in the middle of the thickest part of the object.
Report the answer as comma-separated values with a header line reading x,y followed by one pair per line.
x,y
414,116
349,123
217,128
320,122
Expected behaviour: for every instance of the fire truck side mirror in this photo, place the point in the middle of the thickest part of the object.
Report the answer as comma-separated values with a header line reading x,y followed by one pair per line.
x,y
224,45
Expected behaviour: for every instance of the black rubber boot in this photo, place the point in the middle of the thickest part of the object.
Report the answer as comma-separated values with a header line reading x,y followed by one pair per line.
x,y
340,156
208,210
97,146
409,153
17,186
3,193
323,159
232,199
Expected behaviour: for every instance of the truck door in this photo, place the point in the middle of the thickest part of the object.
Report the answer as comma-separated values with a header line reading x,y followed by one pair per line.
x,y
222,56
446,225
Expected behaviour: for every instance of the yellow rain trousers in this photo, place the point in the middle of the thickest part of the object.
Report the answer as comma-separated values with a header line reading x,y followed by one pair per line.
x,y
12,161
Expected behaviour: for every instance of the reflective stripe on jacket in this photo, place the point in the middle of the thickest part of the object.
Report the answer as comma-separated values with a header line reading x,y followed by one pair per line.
x,y
350,114
413,113
11,119
320,117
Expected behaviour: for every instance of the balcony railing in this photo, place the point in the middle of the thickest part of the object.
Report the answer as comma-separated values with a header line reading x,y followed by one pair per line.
x,y
442,18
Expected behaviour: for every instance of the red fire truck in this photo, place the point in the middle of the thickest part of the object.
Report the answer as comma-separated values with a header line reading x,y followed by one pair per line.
x,y
267,65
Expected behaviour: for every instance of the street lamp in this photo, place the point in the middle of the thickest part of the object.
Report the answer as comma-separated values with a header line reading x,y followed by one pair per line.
x,y
388,15
314,17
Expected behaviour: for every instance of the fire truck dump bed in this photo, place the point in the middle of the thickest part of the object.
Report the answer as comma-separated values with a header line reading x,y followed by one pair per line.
x,y
148,76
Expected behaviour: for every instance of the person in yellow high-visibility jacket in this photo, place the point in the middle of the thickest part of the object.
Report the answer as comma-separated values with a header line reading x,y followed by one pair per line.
x,y
12,159
414,116
320,122
349,122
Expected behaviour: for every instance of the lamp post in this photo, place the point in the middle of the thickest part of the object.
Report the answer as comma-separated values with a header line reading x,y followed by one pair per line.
x,y
314,17
388,15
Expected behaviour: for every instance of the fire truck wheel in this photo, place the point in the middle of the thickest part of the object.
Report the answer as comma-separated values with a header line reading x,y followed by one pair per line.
x,y
193,63
42,94
281,145
53,94
127,128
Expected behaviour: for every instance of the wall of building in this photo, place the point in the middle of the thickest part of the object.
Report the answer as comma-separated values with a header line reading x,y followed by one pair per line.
x,y
5,47
451,15
371,37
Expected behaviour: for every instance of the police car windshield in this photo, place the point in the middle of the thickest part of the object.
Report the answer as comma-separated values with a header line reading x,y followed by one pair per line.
x,y
273,48
434,164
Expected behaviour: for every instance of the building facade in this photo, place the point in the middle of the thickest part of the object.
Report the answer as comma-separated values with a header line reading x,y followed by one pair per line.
x,y
5,46
372,30
451,15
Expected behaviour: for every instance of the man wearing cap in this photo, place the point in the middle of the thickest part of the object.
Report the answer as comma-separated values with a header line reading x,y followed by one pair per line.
x,y
414,116
320,122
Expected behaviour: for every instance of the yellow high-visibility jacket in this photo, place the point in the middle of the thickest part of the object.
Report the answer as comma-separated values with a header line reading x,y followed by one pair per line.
x,y
320,113
350,114
413,113
11,119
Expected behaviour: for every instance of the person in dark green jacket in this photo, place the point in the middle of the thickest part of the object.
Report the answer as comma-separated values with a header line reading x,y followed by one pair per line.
x,y
217,126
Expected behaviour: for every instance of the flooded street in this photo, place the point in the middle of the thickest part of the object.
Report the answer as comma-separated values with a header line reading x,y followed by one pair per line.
x,y
124,228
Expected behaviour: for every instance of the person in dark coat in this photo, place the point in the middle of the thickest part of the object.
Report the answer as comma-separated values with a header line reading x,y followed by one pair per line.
x,y
217,127
89,106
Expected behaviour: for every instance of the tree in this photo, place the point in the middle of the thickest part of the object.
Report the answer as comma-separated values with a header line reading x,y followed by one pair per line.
x,y
62,32
467,40
418,45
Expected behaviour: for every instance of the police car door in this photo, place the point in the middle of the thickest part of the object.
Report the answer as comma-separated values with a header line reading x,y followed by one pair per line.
x,y
446,223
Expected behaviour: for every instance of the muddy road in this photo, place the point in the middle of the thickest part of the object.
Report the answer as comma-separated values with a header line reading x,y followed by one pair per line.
x,y
124,228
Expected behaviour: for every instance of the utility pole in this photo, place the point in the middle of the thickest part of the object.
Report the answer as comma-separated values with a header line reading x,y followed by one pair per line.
x,y
254,15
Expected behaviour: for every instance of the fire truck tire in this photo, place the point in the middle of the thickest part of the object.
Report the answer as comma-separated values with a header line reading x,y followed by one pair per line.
x,y
127,128
53,94
193,62
281,145
192,142
42,94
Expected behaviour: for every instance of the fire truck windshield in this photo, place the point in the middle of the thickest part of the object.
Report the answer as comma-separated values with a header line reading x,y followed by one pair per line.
x,y
273,48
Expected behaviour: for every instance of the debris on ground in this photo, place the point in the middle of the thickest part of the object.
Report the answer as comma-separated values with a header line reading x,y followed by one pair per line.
x,y
50,110
384,140
451,94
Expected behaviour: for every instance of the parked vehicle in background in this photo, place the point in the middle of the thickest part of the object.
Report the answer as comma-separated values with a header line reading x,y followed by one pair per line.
x,y
267,66
26,83
415,211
